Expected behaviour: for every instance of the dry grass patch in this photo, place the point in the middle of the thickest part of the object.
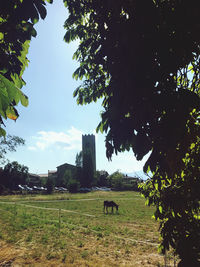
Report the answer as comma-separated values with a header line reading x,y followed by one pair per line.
x,y
48,236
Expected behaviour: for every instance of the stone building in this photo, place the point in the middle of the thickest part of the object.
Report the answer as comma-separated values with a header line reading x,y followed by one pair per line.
x,y
62,169
88,146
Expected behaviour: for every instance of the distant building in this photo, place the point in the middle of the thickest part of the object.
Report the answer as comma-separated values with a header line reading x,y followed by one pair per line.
x,y
62,169
43,175
88,146
34,179
129,179
52,174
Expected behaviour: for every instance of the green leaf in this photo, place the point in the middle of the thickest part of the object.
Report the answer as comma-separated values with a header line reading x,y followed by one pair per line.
x,y
24,100
33,32
160,209
100,127
67,37
65,3
17,81
1,36
156,186
182,174
192,146
2,132
34,14
11,113
41,9
9,93
4,70
12,92
4,99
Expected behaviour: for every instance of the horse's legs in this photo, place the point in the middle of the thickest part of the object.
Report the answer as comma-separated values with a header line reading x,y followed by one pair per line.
x,y
112,209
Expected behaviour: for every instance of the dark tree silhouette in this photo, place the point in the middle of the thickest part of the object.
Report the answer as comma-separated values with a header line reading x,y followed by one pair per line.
x,y
50,185
14,174
88,170
142,57
79,159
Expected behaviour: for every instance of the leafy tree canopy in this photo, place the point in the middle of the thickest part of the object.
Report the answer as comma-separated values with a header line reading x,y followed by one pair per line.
x,y
9,143
116,175
79,159
101,178
14,174
142,58
67,176
17,19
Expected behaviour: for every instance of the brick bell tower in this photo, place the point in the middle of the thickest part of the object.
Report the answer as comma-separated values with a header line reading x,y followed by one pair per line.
x,y
88,144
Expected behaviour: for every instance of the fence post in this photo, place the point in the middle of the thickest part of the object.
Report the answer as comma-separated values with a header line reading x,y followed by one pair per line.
x,y
15,209
14,215
59,217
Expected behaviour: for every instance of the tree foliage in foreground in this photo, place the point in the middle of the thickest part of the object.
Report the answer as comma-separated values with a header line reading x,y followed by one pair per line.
x,y
17,19
142,59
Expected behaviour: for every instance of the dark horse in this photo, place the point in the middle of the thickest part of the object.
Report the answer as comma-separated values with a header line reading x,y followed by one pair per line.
x,y
112,204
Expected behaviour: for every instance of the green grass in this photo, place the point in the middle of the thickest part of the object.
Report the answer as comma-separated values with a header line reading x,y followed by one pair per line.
x,y
63,224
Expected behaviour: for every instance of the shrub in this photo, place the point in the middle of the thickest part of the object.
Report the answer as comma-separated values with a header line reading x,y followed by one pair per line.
x,y
73,186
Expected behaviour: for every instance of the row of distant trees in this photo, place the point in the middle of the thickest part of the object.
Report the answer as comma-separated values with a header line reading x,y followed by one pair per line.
x,y
14,174
116,181
86,177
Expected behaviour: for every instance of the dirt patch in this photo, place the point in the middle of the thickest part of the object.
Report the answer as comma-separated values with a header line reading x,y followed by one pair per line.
x,y
93,254
8,254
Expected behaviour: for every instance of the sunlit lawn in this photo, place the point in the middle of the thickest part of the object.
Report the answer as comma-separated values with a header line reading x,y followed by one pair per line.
x,y
72,230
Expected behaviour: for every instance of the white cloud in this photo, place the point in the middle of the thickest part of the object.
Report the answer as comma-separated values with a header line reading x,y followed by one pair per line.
x,y
66,141
31,148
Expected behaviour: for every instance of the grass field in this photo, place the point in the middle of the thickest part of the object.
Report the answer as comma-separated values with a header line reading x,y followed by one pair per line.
x,y
72,230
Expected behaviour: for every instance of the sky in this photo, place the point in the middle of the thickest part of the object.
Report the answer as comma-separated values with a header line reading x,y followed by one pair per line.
x,y
52,125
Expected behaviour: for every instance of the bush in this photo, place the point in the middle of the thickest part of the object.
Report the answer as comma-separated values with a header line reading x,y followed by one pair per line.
x,y
73,186
125,187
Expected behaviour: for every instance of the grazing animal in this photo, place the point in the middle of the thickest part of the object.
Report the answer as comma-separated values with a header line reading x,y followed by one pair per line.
x,y
111,204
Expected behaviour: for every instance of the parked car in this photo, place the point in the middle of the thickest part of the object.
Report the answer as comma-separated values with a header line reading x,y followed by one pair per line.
x,y
25,187
84,190
21,187
95,188
39,188
60,189
105,189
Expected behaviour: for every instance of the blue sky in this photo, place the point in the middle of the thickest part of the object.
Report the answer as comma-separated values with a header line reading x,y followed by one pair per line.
x,y
53,123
